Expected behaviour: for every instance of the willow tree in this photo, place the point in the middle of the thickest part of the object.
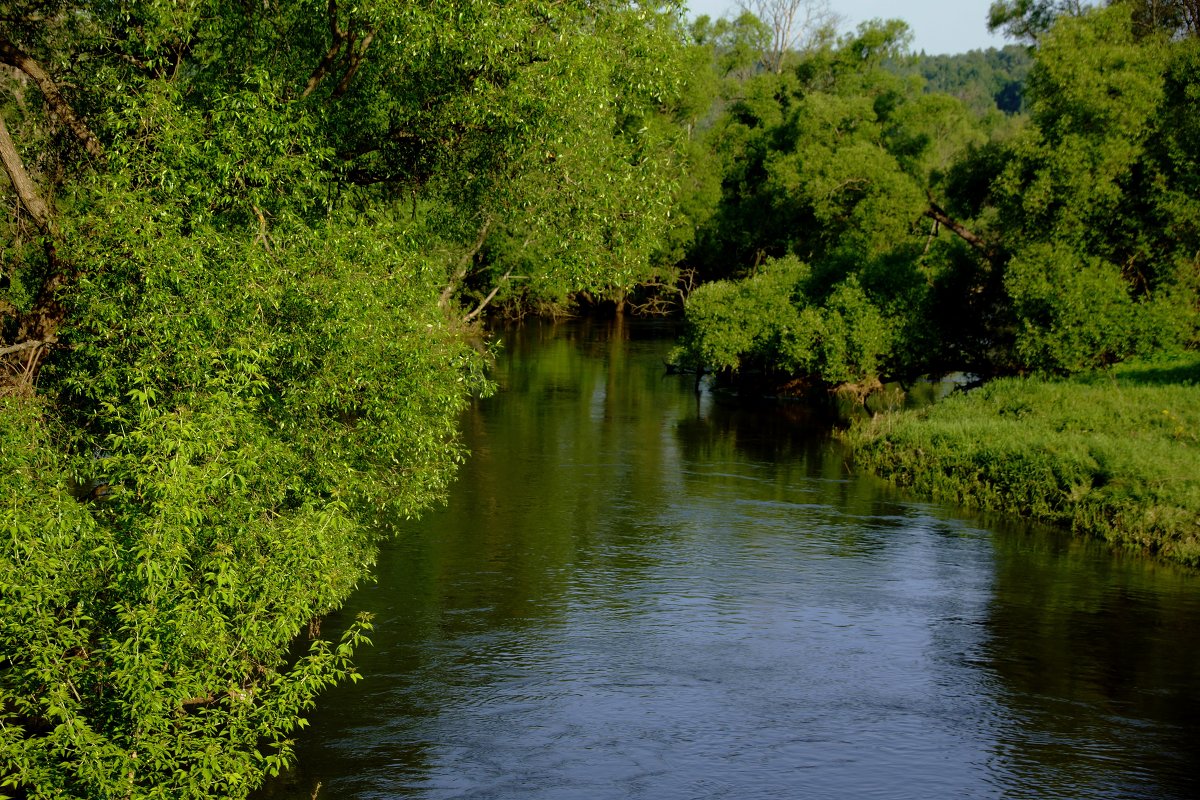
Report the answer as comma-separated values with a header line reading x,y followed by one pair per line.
x,y
1058,243
822,226
1030,20
231,337
1094,202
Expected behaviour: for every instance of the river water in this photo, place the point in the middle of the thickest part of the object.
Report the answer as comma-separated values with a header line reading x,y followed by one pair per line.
x,y
638,592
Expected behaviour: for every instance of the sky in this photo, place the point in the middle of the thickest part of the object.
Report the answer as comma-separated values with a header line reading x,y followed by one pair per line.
x,y
938,26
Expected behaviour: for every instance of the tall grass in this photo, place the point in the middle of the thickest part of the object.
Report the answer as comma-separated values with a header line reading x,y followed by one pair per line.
x,y
1115,454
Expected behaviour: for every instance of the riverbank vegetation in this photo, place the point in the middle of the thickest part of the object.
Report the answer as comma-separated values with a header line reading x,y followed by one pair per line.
x,y
244,249
867,229
899,233
1113,454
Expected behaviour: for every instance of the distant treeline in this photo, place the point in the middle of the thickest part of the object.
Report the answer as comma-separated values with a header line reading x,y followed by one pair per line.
x,y
983,79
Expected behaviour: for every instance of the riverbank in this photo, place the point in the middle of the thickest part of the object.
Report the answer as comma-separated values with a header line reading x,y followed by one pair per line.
x,y
1114,454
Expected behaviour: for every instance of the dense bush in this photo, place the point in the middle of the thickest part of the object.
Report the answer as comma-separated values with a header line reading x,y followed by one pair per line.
x,y
767,325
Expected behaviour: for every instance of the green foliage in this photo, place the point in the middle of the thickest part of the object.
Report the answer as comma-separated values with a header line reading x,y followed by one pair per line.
x,y
1111,454
594,209
768,323
109,612
1086,200
259,349
830,164
1177,18
1078,316
735,44
984,80
1068,239
850,340
1029,19
239,415
749,323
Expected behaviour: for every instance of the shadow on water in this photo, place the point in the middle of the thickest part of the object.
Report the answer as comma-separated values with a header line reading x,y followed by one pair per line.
x,y
637,592
1098,654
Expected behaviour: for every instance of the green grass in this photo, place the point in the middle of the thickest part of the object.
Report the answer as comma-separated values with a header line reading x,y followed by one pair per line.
x,y
1115,454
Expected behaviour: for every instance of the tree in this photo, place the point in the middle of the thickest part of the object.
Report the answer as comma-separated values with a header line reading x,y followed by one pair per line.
x,y
795,26
1175,17
737,45
1028,20
1060,242
232,341
826,177
1092,252
1086,190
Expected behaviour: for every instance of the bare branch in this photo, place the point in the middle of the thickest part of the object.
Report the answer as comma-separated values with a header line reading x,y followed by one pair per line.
x,y
796,25
16,348
491,296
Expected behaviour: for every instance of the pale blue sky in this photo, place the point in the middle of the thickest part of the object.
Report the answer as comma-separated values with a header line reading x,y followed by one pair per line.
x,y
938,26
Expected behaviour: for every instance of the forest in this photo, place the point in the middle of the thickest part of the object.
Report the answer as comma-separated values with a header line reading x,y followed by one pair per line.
x,y
248,251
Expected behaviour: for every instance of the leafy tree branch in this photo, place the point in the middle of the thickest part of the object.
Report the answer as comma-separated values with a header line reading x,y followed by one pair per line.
x,y
15,57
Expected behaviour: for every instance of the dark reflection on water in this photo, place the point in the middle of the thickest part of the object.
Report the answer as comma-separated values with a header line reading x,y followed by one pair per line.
x,y
638,593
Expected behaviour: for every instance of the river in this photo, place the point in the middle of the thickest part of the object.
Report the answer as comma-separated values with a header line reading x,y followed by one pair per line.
x,y
638,592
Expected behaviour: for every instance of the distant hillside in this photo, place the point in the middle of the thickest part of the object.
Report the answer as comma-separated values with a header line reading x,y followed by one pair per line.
x,y
984,79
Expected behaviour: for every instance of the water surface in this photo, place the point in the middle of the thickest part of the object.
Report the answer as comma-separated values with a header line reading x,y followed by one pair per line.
x,y
636,592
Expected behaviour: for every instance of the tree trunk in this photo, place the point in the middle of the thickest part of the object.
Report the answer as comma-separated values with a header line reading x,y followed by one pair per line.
x,y
22,184
937,213
14,56
36,329
464,264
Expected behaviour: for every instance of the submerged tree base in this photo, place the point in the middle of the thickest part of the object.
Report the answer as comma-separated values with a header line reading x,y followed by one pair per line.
x,y
1114,454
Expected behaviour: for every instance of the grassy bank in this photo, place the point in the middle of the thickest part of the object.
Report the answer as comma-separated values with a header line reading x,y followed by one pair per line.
x,y
1114,454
